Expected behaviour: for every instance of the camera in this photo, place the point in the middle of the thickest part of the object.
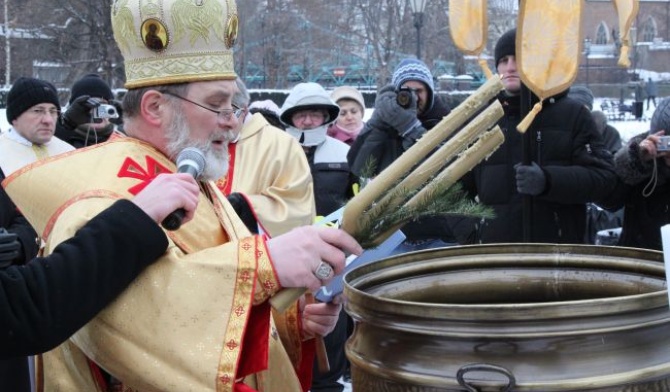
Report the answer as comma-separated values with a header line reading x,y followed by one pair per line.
x,y
404,97
663,143
105,111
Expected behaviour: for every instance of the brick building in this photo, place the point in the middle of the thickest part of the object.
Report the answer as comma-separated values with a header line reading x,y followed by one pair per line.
x,y
650,41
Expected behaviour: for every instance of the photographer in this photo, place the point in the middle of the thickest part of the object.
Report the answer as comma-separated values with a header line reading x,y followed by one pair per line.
x,y
643,168
92,114
404,111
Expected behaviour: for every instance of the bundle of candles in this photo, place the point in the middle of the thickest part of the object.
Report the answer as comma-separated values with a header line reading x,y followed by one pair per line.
x,y
416,183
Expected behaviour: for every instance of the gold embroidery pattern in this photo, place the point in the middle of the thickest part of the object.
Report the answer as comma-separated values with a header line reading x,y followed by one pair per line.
x,y
199,67
197,20
247,264
266,273
123,22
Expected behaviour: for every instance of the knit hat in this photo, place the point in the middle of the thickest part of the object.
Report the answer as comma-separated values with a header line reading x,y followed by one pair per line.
x,y
414,69
506,46
174,41
28,92
582,95
350,93
92,85
660,120
308,96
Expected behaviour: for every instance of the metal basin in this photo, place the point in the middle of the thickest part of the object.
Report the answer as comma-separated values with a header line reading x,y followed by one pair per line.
x,y
522,317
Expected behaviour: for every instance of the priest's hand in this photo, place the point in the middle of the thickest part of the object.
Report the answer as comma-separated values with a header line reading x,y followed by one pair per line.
x,y
309,256
167,193
319,319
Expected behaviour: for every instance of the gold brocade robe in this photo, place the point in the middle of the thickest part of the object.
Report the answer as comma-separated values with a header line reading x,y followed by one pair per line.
x,y
269,167
179,325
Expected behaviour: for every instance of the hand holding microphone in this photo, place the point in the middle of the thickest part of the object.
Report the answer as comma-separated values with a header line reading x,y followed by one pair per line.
x,y
189,161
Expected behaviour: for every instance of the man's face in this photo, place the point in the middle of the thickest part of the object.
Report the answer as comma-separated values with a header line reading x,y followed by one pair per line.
x,y
308,118
421,92
38,123
509,75
194,126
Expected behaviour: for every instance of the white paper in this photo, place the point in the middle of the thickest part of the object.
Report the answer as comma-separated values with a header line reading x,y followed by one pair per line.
x,y
665,235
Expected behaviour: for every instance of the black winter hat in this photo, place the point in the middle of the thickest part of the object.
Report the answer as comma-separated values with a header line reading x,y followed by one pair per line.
x,y
506,46
28,92
660,120
92,85
582,95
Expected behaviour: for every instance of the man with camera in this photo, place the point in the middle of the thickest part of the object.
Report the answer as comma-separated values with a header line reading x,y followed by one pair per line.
x,y
92,114
404,111
643,169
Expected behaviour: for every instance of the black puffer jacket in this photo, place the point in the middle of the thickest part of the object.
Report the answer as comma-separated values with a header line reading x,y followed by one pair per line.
x,y
378,146
643,215
578,169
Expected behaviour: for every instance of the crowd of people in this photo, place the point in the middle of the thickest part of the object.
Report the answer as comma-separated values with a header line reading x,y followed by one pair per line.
x,y
111,301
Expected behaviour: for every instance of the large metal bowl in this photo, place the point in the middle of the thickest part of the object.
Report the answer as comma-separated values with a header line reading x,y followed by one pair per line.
x,y
522,317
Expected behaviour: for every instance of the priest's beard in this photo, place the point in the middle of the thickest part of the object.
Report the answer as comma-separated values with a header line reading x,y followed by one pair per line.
x,y
178,136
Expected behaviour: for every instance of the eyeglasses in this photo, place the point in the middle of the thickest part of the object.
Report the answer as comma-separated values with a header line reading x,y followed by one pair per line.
x,y
314,116
40,112
221,113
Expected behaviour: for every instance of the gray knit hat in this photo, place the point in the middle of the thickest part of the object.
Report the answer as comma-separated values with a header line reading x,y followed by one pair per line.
x,y
28,92
414,69
660,120
582,95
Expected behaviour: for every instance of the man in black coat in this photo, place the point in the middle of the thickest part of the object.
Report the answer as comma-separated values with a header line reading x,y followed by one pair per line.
x,y
569,166
45,301
404,111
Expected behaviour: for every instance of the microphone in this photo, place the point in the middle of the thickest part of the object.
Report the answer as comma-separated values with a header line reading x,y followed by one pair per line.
x,y
192,161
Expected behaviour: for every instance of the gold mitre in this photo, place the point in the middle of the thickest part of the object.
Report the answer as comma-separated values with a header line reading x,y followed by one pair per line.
x,y
175,41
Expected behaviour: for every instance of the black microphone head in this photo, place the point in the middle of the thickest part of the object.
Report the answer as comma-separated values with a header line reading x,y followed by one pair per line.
x,y
191,160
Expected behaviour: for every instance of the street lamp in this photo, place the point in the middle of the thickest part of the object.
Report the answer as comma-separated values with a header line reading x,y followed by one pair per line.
x,y
587,51
418,6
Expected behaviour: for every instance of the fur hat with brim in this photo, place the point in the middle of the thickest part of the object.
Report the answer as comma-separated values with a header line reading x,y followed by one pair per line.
x,y
28,92
308,96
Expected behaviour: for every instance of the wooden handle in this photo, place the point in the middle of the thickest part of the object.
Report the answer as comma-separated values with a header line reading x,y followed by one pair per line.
x,y
321,353
286,297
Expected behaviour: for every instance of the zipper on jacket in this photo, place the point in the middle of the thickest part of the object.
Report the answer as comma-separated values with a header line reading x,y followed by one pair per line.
x,y
538,139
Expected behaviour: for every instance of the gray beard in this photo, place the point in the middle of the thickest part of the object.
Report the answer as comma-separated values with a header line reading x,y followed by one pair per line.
x,y
178,136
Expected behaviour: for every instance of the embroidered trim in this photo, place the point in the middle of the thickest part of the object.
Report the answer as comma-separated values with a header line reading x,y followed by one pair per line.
x,y
239,315
267,276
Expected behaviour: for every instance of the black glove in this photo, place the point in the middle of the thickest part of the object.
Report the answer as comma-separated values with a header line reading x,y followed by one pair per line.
x,y
79,111
388,112
530,180
10,247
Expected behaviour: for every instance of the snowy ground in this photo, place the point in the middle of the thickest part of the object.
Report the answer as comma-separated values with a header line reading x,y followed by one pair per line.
x,y
630,127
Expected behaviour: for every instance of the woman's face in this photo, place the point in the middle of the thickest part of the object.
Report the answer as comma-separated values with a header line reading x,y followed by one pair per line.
x,y
351,115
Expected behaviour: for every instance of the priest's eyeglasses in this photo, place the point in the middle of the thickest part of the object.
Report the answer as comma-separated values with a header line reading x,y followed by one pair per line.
x,y
226,114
